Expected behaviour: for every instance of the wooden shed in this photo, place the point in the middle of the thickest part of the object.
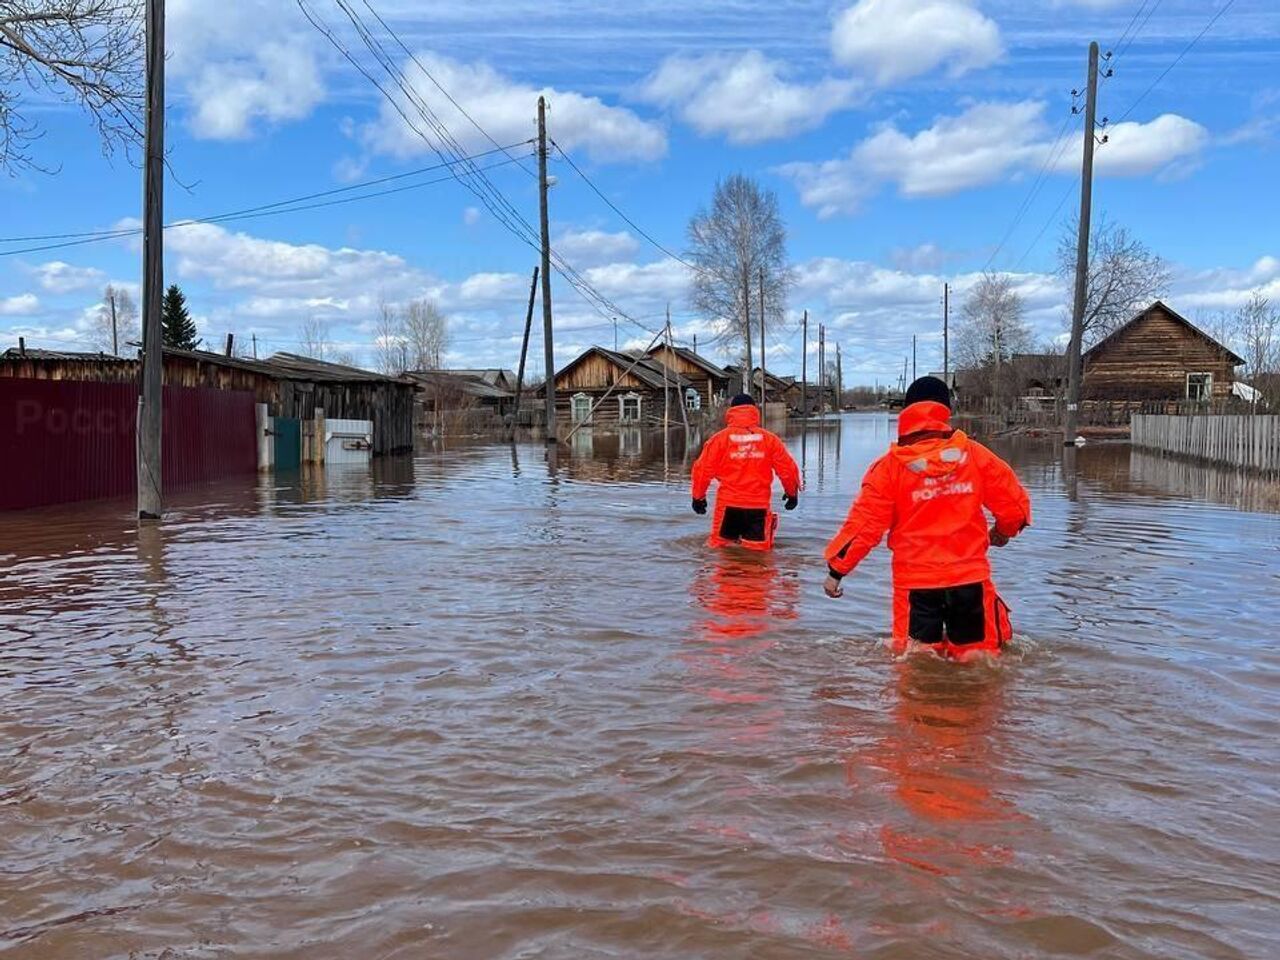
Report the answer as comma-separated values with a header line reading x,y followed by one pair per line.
x,y
637,385
291,386
710,381
1159,355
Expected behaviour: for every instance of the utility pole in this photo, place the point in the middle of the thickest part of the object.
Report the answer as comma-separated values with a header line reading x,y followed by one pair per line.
x,y
255,346
150,503
695,343
548,348
1082,254
115,333
946,333
822,369
524,351
615,334
764,392
804,365
231,340
902,384
839,381
914,375
666,390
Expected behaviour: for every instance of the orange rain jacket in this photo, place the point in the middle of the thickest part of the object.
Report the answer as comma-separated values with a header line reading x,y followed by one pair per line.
x,y
744,457
929,496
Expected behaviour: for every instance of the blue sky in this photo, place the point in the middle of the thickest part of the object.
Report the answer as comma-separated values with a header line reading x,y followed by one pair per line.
x,y
901,136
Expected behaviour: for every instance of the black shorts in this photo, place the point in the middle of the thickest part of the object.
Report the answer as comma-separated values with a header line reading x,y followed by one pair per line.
x,y
740,523
957,614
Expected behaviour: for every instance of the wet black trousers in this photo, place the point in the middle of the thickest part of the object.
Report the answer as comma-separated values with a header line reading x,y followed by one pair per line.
x,y
740,523
956,613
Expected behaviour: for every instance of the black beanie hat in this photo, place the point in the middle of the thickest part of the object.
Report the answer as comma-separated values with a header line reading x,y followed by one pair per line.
x,y
742,400
928,388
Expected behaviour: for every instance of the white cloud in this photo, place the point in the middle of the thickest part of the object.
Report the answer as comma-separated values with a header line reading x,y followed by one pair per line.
x,y
744,96
1136,149
926,256
587,247
986,143
471,216
895,40
241,62
58,277
24,304
506,108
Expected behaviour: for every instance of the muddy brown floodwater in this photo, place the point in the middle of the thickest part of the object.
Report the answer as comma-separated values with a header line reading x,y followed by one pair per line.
x,y
475,705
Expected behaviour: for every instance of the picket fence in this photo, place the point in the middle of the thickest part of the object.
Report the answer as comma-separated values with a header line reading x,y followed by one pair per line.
x,y
1242,440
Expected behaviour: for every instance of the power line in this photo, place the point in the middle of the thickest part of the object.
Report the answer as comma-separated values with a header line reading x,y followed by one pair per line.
x,y
1179,58
251,213
614,207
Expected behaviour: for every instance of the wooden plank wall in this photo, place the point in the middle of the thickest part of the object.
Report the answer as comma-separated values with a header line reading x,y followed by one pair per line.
x,y
1248,441
1151,360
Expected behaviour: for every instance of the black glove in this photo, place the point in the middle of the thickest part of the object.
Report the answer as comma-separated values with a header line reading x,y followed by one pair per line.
x,y
791,501
700,506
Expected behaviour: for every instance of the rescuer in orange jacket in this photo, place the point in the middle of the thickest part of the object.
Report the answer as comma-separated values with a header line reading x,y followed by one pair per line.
x,y
929,493
743,457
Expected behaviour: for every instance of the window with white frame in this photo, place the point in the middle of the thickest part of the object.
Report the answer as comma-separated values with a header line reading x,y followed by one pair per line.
x,y
629,408
1199,386
692,399
581,407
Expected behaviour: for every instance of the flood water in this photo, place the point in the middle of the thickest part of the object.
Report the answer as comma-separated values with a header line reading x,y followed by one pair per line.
x,y
479,705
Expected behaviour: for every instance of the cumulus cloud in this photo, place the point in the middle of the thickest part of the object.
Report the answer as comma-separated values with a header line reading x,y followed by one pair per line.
x,y
986,143
505,108
744,97
24,304
895,40
58,277
241,62
587,247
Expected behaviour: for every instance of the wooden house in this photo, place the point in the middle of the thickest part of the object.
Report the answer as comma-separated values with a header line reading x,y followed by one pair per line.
x,y
496,377
635,388
711,383
1159,355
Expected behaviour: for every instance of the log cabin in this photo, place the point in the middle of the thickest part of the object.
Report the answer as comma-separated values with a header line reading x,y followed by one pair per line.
x,y
634,388
1159,355
711,382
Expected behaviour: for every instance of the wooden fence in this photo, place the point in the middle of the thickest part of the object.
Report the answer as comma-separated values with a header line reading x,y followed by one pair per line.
x,y
1242,440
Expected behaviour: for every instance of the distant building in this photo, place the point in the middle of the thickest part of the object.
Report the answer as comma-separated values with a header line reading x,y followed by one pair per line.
x,y
1159,355
628,389
711,383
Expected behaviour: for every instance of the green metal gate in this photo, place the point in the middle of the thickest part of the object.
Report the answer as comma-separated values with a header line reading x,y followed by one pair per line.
x,y
288,434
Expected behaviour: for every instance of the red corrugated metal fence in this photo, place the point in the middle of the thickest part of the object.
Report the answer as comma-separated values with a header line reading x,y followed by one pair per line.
x,y
66,440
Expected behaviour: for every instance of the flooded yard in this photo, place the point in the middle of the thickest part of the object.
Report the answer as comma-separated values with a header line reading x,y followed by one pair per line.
x,y
482,705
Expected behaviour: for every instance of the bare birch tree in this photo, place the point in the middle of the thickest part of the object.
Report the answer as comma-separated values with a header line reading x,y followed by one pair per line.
x,y
991,330
425,330
115,324
729,244
1124,277
1257,329
315,341
390,349
87,52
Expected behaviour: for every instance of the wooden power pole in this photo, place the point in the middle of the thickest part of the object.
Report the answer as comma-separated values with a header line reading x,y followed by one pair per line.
x,y
115,332
150,502
548,348
839,381
764,392
524,351
804,364
1082,254
946,333
914,375
822,369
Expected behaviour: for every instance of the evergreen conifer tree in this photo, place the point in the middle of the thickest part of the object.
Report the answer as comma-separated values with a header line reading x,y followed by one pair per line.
x,y
176,323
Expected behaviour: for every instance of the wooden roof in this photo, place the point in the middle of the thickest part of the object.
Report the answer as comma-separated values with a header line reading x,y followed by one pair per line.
x,y
697,359
1177,317
464,381
647,371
